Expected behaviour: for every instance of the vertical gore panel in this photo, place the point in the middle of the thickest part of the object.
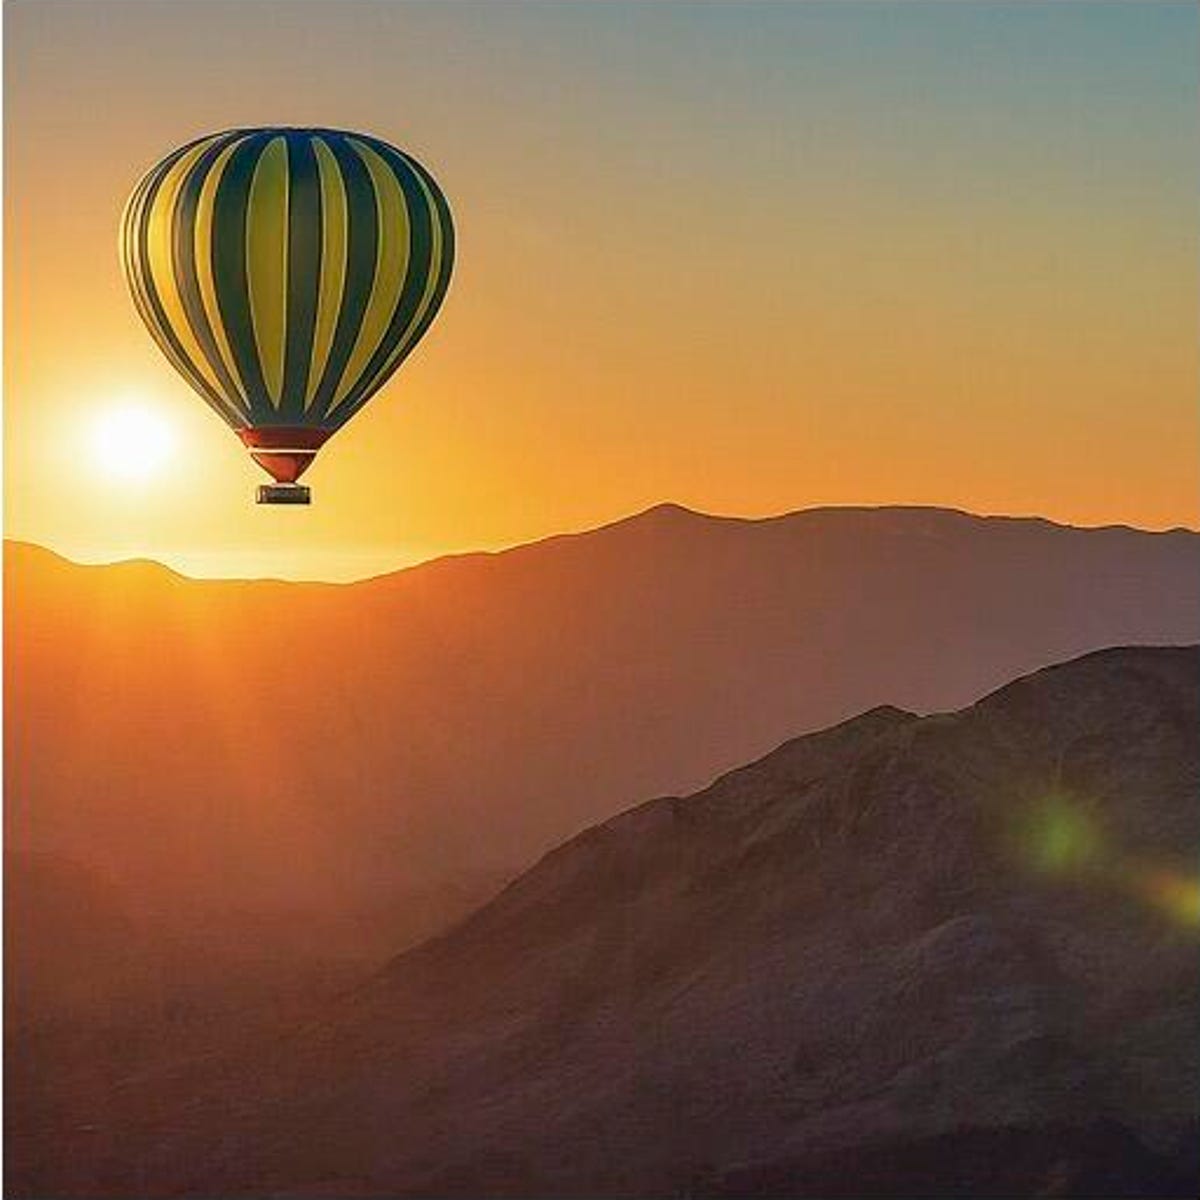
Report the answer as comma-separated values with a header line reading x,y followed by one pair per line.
x,y
303,272
333,263
187,274
229,270
391,264
362,238
204,266
266,261
161,225
428,276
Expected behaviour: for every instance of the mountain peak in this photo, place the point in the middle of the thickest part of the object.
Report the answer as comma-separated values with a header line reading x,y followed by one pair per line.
x,y
665,514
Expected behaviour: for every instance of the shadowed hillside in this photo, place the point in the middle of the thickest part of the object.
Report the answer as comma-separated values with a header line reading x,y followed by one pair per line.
x,y
951,955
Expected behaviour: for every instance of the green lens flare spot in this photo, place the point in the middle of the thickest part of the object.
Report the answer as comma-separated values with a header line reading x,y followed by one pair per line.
x,y
1060,838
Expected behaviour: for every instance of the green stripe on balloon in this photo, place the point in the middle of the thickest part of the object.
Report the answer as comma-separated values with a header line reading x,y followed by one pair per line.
x,y
362,249
303,272
441,286
416,281
229,270
157,321
184,234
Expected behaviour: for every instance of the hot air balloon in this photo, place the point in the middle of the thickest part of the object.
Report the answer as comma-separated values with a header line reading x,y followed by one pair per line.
x,y
286,274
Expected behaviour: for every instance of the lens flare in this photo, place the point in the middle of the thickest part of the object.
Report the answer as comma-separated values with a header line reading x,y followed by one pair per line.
x,y
1058,836
1171,892
1061,838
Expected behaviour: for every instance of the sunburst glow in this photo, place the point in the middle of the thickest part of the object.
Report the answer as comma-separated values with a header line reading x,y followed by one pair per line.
x,y
132,443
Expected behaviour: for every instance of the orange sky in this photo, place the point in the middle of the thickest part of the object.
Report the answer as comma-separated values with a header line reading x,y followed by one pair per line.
x,y
745,257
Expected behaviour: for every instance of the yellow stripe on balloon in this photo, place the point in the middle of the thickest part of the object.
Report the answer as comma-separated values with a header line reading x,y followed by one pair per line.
x,y
204,274
266,261
135,263
437,248
333,263
391,266
160,253
132,262
137,275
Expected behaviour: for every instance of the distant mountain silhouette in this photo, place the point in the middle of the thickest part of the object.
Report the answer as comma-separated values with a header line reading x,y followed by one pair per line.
x,y
950,955
306,749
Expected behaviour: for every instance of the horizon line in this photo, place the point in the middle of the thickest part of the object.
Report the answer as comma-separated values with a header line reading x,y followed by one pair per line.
x,y
661,506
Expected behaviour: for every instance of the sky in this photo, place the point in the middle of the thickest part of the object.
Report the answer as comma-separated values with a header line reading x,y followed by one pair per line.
x,y
747,257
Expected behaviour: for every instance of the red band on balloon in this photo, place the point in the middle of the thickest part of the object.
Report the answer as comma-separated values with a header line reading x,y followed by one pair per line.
x,y
285,437
284,452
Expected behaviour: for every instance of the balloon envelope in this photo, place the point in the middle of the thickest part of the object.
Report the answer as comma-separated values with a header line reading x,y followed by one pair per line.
x,y
286,274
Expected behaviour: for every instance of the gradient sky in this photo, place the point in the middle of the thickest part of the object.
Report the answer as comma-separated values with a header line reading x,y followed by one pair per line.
x,y
748,257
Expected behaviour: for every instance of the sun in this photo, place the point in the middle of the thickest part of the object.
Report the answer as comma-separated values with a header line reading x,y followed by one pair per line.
x,y
132,443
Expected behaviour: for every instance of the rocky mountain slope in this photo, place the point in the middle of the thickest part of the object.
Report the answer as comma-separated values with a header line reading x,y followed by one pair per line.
x,y
952,955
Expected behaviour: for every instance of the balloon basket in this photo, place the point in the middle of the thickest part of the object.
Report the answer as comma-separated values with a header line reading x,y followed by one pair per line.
x,y
283,493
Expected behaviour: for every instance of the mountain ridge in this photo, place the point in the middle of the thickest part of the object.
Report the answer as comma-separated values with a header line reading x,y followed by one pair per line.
x,y
663,509
884,726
